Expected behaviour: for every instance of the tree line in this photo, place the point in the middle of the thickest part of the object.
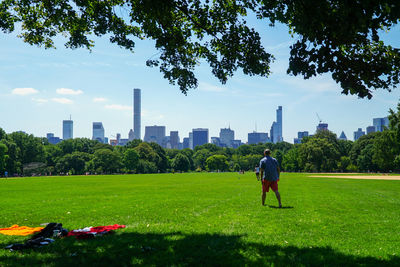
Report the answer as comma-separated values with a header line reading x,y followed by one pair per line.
x,y
25,154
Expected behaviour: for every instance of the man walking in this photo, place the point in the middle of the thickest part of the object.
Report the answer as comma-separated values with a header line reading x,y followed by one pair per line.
x,y
269,172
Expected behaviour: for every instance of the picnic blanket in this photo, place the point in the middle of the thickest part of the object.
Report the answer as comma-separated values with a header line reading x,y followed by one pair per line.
x,y
20,230
90,232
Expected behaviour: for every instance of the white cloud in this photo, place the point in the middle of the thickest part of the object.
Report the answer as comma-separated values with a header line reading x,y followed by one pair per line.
x,y
63,100
99,99
24,91
118,107
210,88
40,100
66,91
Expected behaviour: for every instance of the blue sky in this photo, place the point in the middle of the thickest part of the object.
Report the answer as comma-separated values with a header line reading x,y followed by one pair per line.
x,y
39,88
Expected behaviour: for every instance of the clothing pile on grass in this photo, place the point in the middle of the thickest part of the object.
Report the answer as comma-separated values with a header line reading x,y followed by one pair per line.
x,y
44,235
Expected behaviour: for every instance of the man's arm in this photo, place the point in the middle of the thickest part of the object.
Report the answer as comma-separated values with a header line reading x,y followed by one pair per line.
x,y
261,172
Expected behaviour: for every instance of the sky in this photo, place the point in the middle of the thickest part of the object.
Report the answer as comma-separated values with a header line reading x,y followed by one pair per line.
x,y
39,88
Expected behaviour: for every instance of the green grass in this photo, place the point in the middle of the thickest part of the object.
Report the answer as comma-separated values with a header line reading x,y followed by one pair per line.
x,y
206,219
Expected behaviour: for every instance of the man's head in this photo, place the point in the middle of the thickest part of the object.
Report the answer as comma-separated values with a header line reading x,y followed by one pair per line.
x,y
267,152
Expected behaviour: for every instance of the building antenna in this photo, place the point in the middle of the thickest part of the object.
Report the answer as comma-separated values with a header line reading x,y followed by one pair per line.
x,y
70,116
256,125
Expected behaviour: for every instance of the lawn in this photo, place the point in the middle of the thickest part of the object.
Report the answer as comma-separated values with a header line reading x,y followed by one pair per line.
x,y
206,219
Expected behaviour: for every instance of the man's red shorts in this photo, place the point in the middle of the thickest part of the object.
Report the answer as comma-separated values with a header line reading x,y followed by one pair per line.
x,y
267,184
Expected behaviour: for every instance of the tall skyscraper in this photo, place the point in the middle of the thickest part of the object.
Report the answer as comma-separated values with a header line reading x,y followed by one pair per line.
x,y
68,129
226,137
174,139
154,134
276,128
137,113
200,136
98,132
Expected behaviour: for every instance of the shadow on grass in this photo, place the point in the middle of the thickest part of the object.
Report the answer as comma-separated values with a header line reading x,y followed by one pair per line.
x,y
126,249
283,207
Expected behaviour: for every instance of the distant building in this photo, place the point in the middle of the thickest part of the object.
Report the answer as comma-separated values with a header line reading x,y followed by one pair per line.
x,y
370,129
236,143
191,140
105,140
52,139
154,134
215,141
300,136
174,139
342,136
131,135
200,136
358,134
123,142
255,138
380,124
276,128
185,143
98,132
137,99
322,127
68,129
113,142
226,136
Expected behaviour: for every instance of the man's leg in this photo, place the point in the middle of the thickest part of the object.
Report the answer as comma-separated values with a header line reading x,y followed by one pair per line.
x,y
278,197
263,196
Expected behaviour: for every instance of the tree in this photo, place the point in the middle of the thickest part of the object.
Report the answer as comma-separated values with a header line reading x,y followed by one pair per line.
x,y
318,155
180,163
200,158
189,31
130,159
3,157
290,160
74,162
105,161
385,151
217,162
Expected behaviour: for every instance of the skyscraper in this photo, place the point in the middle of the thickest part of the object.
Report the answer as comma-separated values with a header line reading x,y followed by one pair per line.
x,y
137,113
98,132
200,137
276,128
226,136
68,129
174,139
154,134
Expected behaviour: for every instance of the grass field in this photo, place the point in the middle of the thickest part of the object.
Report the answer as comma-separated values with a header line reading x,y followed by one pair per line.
x,y
206,219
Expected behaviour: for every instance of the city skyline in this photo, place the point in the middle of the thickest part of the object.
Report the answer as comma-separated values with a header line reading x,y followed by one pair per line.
x,y
39,88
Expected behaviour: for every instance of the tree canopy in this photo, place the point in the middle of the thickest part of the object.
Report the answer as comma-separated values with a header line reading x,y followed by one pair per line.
x,y
337,37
